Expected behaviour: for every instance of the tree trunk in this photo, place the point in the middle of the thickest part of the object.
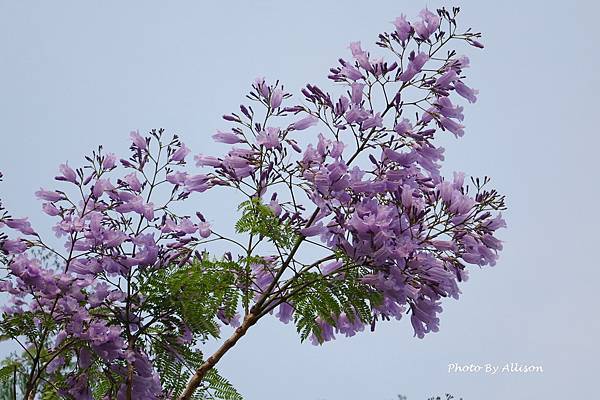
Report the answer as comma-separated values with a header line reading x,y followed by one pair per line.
x,y
201,372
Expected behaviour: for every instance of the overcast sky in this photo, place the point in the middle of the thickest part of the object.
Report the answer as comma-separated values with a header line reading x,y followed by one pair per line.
x,y
77,74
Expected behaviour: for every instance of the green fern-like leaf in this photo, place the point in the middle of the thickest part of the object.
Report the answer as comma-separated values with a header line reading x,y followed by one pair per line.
x,y
49,393
176,362
6,373
220,387
193,294
327,298
258,219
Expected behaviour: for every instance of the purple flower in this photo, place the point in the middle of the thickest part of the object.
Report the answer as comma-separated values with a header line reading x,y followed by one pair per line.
x,y
197,183
275,207
133,182
424,317
407,196
496,223
226,137
262,86
428,24
185,226
180,154
349,327
85,267
445,81
325,333
304,123
372,122
262,275
20,224
49,195
55,364
351,72
337,149
361,56
78,387
466,92
204,229
331,267
50,209
403,127
447,109
453,126
68,174
285,312
276,98
475,43
403,28
101,186
14,246
269,138
202,161
138,140
147,253
415,65
235,162
136,204
177,178
109,161
479,251
356,114
443,245
460,63
313,230
186,337
357,92
112,239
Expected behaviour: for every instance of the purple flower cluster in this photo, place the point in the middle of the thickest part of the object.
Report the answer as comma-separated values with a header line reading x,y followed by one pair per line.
x,y
368,192
113,233
374,177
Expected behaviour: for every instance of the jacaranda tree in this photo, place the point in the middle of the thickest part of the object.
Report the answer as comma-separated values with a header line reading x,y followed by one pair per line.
x,y
346,222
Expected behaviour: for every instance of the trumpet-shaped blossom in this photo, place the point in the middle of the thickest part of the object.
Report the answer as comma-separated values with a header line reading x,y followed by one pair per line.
x,y
403,28
20,224
67,174
181,153
427,25
304,123
226,137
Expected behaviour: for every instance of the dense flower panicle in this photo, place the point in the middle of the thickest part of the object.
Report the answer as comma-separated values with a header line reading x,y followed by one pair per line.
x,y
355,174
103,246
386,217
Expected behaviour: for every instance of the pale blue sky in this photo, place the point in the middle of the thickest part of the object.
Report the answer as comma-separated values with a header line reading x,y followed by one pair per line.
x,y
75,74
